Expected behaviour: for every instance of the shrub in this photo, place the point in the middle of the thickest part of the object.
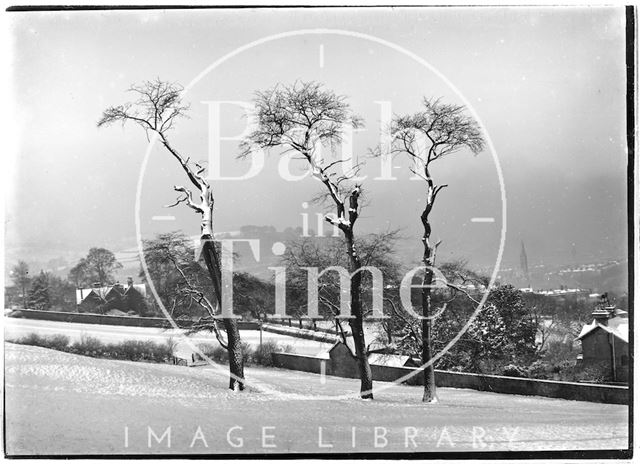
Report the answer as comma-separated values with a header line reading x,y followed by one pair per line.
x,y
133,350
32,339
558,352
170,345
539,370
596,373
215,352
247,353
88,346
161,352
487,366
262,354
137,350
59,342
286,348
456,369
512,370
564,366
55,342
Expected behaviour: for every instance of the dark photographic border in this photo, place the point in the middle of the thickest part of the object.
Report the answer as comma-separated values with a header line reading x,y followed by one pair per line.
x,y
630,55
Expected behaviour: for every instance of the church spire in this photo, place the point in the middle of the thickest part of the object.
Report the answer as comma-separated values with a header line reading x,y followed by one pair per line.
x,y
524,263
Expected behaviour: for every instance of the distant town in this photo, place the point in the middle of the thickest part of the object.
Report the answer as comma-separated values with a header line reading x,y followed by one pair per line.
x,y
566,304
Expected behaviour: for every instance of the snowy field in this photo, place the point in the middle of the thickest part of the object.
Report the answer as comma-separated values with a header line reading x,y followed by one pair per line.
x,y
59,403
15,328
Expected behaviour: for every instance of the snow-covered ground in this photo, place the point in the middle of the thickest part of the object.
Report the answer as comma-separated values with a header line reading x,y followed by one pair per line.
x,y
15,328
59,403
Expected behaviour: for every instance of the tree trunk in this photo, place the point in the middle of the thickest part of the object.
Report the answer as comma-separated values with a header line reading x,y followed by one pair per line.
x,y
356,322
429,379
234,348
428,259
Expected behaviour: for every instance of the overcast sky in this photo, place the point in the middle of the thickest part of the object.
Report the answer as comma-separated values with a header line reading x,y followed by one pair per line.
x,y
548,84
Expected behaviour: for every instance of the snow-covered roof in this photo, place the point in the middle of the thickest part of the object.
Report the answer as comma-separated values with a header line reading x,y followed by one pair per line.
x,y
558,292
82,293
141,288
392,360
350,345
379,357
370,336
618,326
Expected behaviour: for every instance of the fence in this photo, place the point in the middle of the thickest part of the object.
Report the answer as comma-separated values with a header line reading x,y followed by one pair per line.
x,y
306,334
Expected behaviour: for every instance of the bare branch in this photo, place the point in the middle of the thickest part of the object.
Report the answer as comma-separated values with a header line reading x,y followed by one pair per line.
x,y
303,117
187,199
459,289
200,298
445,126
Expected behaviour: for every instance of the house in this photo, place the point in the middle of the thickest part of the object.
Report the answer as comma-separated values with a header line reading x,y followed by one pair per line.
x,y
89,300
605,341
342,360
115,297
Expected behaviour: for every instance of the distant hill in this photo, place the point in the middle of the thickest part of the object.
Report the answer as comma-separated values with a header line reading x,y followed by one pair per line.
x,y
598,277
267,235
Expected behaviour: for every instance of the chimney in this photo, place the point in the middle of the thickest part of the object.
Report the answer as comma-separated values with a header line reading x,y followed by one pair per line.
x,y
129,282
601,316
604,310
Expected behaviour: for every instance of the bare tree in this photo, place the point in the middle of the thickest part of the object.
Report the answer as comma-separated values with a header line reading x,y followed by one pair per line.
x,y
542,310
97,267
156,109
435,132
78,274
190,289
303,118
376,250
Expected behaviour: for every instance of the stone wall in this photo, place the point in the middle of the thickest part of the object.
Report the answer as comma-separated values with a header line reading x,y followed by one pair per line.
x,y
300,362
492,383
87,318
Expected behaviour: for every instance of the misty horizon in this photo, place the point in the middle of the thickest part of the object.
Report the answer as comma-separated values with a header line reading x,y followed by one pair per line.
x,y
556,118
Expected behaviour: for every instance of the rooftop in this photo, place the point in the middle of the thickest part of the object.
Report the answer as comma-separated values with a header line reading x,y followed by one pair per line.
x,y
618,326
